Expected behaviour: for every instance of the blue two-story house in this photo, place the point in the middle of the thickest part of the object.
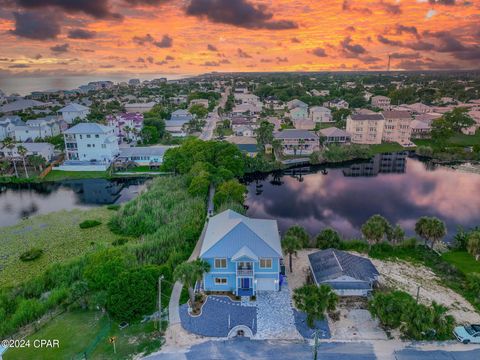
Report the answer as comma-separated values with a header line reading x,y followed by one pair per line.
x,y
244,254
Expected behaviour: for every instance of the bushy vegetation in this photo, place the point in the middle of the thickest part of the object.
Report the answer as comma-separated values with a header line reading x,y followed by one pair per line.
x,y
31,254
315,301
398,309
87,224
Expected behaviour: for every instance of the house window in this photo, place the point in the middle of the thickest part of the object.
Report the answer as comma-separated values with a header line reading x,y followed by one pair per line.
x,y
104,146
220,281
220,263
265,263
88,136
97,136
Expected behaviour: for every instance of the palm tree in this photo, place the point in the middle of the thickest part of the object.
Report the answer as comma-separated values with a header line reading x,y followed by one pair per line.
x,y
375,228
430,229
290,245
37,161
10,144
188,273
127,130
473,244
300,233
314,301
22,151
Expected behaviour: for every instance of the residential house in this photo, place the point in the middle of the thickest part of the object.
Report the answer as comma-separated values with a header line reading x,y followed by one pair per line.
x,y
244,254
143,156
244,130
134,82
37,129
246,108
381,102
397,126
8,124
336,104
295,103
21,105
321,114
420,129
127,125
345,273
139,107
179,100
298,113
301,142
303,124
247,145
333,135
3,97
320,93
74,111
45,150
89,146
366,128
472,130
418,108
181,115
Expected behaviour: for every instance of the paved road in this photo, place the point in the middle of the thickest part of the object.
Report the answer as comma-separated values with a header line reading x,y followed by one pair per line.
x,y
412,354
213,118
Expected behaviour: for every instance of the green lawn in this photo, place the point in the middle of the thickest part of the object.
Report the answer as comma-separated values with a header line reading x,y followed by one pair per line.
x,y
456,140
57,175
58,234
462,261
140,169
386,148
74,330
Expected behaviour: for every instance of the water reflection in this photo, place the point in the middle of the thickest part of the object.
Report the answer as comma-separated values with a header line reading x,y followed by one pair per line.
x,y
401,189
18,201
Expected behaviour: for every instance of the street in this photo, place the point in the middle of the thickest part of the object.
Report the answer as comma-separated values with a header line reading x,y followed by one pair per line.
x,y
213,118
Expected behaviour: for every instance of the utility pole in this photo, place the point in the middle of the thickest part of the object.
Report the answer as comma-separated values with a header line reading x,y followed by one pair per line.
x,y
388,66
160,302
315,345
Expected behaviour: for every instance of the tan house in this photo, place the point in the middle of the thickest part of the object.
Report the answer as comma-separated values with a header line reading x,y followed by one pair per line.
x,y
397,126
366,128
298,142
381,102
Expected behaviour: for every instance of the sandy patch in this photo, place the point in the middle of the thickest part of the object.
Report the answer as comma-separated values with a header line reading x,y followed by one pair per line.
x,y
301,268
408,277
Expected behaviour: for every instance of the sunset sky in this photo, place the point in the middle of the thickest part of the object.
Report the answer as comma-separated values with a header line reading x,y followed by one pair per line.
x,y
54,37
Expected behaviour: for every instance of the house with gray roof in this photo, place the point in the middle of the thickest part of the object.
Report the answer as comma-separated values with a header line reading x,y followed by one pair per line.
x,y
244,254
20,105
144,156
347,274
333,135
8,124
298,142
74,111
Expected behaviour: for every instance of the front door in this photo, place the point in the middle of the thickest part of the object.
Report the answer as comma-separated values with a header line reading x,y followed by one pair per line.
x,y
245,283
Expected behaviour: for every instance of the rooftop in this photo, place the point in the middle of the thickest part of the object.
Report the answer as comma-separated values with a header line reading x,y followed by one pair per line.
x,y
88,128
144,151
370,117
397,114
73,107
295,134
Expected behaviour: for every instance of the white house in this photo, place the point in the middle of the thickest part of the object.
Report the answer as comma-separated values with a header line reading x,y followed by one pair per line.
x,y
89,146
144,156
337,104
299,113
73,111
203,102
7,125
45,150
321,114
139,107
37,129
292,104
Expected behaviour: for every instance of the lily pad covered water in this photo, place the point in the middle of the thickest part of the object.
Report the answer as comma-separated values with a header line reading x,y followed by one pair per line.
x,y
400,188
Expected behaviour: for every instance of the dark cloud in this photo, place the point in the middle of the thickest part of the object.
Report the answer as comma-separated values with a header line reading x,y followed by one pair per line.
x,y
295,40
99,9
225,61
150,59
145,2
37,57
281,59
212,47
351,28
266,61
393,9
107,66
210,63
351,50
348,7
169,58
36,26
319,52
81,34
239,13
400,29
387,41
242,54
60,48
442,2
19,66
165,42
415,55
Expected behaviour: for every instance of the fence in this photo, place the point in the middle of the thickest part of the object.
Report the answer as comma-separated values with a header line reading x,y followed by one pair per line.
x,y
102,334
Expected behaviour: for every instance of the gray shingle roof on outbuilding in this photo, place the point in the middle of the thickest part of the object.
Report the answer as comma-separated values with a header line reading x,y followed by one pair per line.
x,y
330,264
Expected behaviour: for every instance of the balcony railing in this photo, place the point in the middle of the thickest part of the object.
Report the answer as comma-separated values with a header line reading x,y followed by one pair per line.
x,y
244,272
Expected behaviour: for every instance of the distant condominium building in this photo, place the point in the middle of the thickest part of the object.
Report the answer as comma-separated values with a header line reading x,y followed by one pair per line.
x,y
397,126
366,128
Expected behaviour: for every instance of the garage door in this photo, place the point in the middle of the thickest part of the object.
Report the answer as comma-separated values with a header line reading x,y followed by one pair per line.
x,y
265,284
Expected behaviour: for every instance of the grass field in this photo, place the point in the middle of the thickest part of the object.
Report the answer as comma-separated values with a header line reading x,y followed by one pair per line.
x,y
456,140
74,330
89,331
57,175
463,261
386,148
57,234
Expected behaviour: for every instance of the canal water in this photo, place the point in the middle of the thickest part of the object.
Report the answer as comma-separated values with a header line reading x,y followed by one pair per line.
x,y
18,201
400,188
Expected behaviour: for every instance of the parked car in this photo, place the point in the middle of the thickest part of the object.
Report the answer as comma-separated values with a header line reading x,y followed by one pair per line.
x,y
468,333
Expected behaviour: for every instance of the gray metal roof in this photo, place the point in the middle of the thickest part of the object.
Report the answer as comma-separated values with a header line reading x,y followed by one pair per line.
x,y
331,264
73,107
228,232
88,128
334,132
397,114
295,134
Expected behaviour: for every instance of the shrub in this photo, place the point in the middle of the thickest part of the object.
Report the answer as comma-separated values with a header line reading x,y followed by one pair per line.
x,y
113,207
425,151
300,233
354,245
89,224
381,249
314,301
328,238
31,254
119,242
